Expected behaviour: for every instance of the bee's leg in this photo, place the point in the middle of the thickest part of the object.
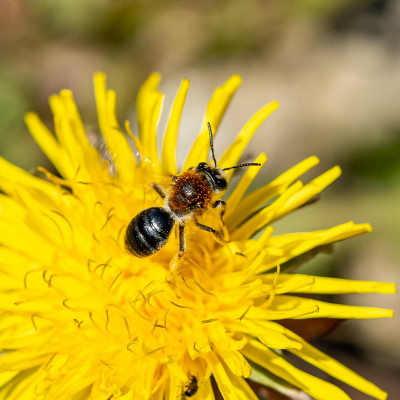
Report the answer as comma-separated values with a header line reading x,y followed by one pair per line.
x,y
158,189
182,241
177,260
215,233
222,206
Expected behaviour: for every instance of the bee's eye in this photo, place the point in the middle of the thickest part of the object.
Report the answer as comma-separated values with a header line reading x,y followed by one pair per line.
x,y
203,166
220,182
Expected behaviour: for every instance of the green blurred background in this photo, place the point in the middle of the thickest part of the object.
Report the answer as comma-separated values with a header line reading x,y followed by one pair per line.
x,y
333,65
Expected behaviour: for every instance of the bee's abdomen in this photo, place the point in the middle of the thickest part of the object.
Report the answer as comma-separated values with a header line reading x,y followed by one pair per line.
x,y
148,232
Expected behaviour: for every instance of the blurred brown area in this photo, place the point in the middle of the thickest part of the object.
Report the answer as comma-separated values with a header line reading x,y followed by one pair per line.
x,y
333,65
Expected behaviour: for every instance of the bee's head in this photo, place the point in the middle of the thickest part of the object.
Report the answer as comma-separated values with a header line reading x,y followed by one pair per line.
x,y
215,176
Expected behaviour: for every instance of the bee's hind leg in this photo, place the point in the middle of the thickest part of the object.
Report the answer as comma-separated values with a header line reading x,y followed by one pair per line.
x,y
182,241
177,260
221,205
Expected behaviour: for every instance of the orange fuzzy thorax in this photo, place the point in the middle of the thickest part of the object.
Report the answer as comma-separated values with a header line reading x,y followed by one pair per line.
x,y
191,190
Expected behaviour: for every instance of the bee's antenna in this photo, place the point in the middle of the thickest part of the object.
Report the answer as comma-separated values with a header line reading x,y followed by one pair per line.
x,y
243,165
211,144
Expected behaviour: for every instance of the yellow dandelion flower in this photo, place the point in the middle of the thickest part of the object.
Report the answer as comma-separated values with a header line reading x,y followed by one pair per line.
x,y
83,319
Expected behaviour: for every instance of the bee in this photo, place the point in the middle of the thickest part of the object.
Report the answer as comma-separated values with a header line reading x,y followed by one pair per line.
x,y
190,194
192,387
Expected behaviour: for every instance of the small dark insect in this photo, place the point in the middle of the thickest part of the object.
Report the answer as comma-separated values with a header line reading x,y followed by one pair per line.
x,y
190,194
192,387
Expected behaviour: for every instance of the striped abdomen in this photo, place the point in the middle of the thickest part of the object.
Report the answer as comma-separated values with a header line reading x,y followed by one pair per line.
x,y
148,232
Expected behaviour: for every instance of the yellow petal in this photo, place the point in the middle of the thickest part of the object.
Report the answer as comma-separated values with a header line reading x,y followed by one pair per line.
x,y
294,244
328,310
324,285
73,139
294,197
245,182
63,128
149,103
235,150
175,387
21,387
48,143
11,177
231,387
317,388
252,202
215,110
12,237
309,191
265,216
171,132
287,283
337,370
267,336
263,377
325,363
206,391
308,311
118,146
71,110
237,364
7,376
